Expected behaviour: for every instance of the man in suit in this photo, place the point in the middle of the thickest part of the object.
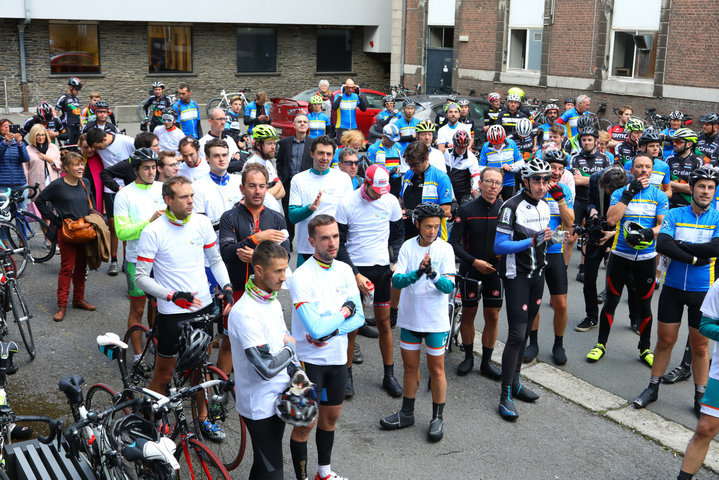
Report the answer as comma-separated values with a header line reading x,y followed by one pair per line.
x,y
292,158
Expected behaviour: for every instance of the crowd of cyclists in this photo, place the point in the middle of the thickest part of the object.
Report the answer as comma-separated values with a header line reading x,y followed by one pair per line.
x,y
495,205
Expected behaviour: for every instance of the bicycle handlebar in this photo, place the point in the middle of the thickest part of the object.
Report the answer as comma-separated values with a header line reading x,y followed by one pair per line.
x,y
467,279
225,385
54,425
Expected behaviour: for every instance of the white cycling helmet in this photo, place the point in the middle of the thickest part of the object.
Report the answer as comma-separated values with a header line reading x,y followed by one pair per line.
x,y
534,167
523,127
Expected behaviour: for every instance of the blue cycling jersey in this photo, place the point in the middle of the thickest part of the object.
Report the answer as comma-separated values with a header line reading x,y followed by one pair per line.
x,y
660,173
406,129
436,188
319,123
668,146
569,119
347,113
251,111
189,116
683,224
381,154
554,219
644,209
385,114
508,154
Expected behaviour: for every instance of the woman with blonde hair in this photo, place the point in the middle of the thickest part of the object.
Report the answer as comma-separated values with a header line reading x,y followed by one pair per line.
x,y
44,165
350,138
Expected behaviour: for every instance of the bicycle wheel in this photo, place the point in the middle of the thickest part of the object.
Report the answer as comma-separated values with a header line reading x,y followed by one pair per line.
x,y
22,317
141,111
604,124
221,411
14,242
198,462
140,371
215,103
100,397
34,229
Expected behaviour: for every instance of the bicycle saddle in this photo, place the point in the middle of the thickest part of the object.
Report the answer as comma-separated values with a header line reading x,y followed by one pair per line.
x,y
111,339
72,388
7,352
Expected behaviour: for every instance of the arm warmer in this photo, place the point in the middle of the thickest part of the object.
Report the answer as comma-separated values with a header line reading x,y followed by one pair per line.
x,y
503,245
402,280
266,364
443,284
297,213
396,239
709,249
336,102
126,230
342,253
666,246
355,321
219,270
709,327
148,284
362,105
320,325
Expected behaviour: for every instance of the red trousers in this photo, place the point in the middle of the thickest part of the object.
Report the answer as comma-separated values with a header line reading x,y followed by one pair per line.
x,y
73,264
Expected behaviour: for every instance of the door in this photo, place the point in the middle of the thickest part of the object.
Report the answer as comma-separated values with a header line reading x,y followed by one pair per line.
x,y
439,70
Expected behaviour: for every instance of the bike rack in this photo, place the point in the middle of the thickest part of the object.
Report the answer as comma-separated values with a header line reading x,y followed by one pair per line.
x,y
31,460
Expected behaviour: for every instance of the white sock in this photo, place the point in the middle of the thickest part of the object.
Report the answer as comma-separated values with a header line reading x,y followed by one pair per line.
x,y
324,470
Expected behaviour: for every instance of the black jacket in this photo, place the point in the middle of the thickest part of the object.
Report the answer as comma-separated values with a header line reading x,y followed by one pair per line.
x,y
472,235
284,159
122,170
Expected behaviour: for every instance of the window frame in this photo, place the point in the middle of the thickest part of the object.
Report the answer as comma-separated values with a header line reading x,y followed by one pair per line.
x,y
351,50
528,32
632,77
149,50
50,53
237,50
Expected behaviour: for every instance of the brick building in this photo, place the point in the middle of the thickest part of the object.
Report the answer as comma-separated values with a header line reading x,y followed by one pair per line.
x,y
647,53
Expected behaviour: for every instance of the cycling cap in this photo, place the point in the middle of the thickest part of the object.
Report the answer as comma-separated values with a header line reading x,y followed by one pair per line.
x,y
316,100
517,91
141,155
296,410
102,104
193,349
523,127
44,111
555,155
535,167
705,172
588,131
426,210
75,82
709,118
629,227
391,131
494,96
649,136
676,115
425,126
496,135
634,124
685,134
378,178
514,97
550,107
158,84
264,132
461,139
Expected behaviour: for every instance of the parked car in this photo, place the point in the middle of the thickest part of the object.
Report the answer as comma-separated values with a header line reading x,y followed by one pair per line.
x,y
284,110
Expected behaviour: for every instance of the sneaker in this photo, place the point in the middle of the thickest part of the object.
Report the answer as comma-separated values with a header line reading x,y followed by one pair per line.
x,y
331,476
559,355
596,353
466,366
530,352
436,430
602,297
586,324
647,357
682,372
357,357
397,420
367,331
112,271
580,277
648,396
212,431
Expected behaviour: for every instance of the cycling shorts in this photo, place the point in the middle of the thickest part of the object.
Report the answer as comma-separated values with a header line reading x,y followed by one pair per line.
x,y
330,382
555,274
435,341
132,290
381,276
491,288
169,329
108,199
672,302
580,210
710,401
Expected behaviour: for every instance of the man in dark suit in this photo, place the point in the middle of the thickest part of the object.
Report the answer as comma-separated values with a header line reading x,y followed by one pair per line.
x,y
293,157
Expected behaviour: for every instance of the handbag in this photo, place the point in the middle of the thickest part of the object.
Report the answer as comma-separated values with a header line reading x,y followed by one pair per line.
x,y
78,231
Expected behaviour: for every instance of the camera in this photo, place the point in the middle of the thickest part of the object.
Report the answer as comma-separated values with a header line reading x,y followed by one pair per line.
x,y
14,129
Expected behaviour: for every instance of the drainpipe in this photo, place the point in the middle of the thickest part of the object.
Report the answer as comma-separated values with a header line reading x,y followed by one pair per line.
x,y
404,29
23,71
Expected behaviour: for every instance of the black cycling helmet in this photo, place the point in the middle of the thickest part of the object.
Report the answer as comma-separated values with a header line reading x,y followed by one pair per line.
x,y
44,111
193,348
141,155
649,136
705,172
102,104
75,82
570,100
613,178
158,84
555,155
126,430
452,98
388,98
709,118
585,121
426,210
588,131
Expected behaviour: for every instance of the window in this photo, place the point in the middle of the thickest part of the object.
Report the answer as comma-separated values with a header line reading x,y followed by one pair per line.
x,y
634,54
525,49
256,50
441,37
170,48
334,50
74,48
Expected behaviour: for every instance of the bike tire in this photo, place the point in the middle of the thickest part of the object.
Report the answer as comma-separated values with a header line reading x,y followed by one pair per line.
x,y
199,462
22,317
221,411
100,397
141,111
14,241
149,346
604,124
214,103
37,243
3,475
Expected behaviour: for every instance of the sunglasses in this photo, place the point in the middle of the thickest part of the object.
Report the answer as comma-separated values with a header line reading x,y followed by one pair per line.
x,y
538,179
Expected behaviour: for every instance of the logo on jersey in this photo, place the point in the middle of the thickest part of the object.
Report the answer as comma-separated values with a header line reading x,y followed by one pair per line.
x,y
524,307
458,220
539,301
197,241
495,293
506,216
471,295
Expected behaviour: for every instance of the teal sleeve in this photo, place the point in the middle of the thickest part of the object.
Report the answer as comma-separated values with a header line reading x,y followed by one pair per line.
x,y
298,213
402,280
709,327
444,284
355,321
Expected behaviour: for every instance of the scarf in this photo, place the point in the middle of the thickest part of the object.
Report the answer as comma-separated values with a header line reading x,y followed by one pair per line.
x,y
364,195
220,180
173,219
42,147
257,293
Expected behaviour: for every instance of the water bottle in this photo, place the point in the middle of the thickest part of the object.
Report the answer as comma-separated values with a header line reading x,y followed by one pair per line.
x,y
368,299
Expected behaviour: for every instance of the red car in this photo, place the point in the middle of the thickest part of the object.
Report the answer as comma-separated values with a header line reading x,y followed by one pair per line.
x,y
284,110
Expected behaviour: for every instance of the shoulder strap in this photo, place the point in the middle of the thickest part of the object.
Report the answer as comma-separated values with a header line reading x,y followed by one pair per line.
x,y
82,182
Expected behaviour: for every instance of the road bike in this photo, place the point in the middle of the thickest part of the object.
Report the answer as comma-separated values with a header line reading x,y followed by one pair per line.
x,y
12,300
455,309
41,241
225,98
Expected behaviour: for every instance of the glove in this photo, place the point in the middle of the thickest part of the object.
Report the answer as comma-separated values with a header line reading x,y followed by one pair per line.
x,y
227,295
428,268
631,190
634,237
300,383
647,234
539,238
556,192
143,125
559,235
350,305
181,299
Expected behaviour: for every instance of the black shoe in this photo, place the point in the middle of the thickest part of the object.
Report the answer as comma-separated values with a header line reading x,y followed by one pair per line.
x,y
580,277
466,366
507,409
367,331
397,420
435,432
648,396
586,324
490,371
370,322
357,357
391,386
350,387
530,353
520,392
559,355
602,297
682,372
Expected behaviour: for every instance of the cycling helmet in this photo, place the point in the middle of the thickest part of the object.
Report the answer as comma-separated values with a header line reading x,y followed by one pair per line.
x,y
649,136
316,100
461,139
391,131
463,102
705,172
550,107
102,104
685,134
516,91
523,127
452,105
193,348
264,132
676,115
388,98
570,100
634,124
426,210
158,84
297,410
496,135
629,227
75,82
588,131
141,155
709,118
408,102
44,111
425,126
513,97
126,430
452,99
585,121
169,115
555,155
494,96
534,167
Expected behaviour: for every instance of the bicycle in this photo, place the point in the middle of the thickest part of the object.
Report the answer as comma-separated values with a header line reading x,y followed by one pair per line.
x,y
455,310
12,299
23,219
141,106
400,93
653,119
223,101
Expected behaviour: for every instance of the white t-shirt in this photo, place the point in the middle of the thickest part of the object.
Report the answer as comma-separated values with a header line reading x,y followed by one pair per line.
x,y
212,200
231,145
445,134
422,306
193,173
252,324
120,149
169,140
436,158
328,289
710,308
137,204
368,226
334,184
177,254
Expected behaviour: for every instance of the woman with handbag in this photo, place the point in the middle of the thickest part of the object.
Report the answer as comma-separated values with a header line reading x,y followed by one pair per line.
x,y
71,202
